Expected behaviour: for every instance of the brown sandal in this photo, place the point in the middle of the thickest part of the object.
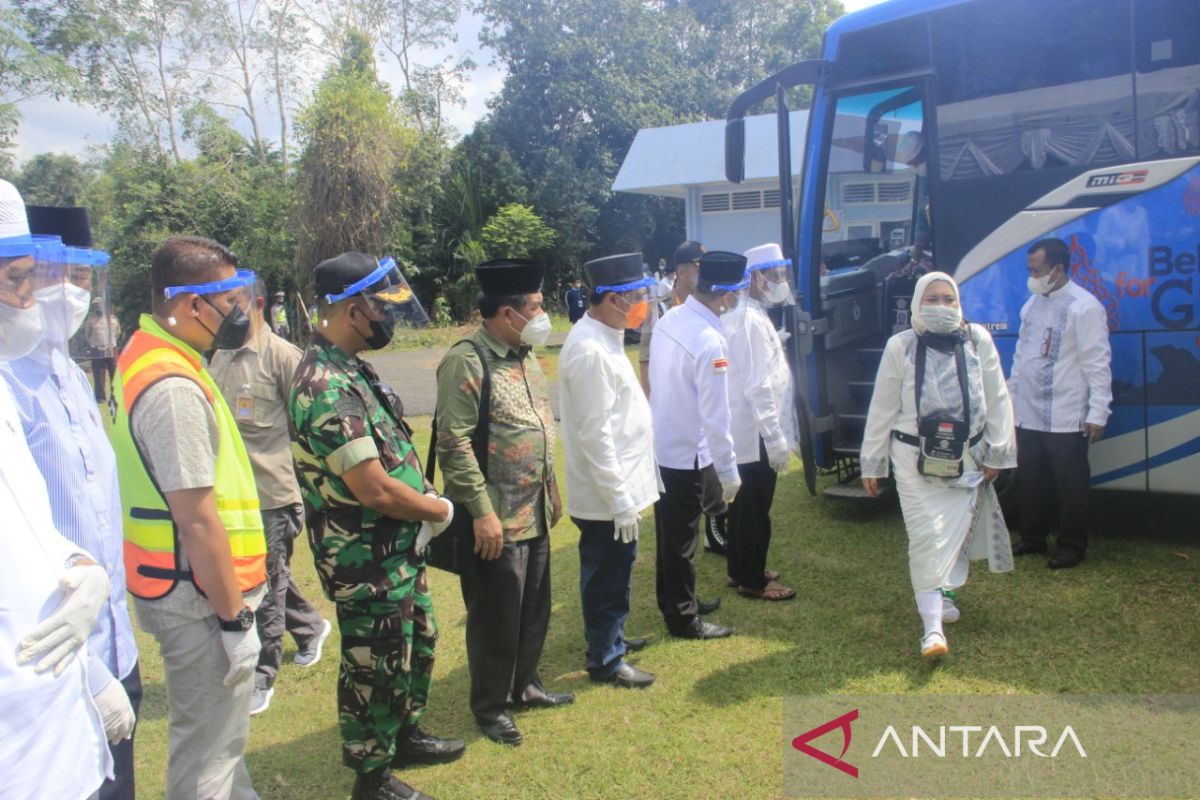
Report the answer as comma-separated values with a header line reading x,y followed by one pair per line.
x,y
769,574
772,592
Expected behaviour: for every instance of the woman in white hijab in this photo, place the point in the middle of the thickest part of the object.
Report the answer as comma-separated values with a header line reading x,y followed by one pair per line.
x,y
945,454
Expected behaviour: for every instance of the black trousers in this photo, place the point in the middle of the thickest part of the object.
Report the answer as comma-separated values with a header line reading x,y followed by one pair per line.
x,y
121,787
750,523
676,520
508,614
1052,486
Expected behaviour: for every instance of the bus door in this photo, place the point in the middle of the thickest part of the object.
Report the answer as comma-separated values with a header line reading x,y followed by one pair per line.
x,y
876,188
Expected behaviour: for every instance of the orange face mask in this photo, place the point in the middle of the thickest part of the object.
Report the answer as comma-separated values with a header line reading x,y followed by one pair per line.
x,y
636,314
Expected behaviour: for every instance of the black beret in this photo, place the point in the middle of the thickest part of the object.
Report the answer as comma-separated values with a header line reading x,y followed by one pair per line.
x,y
510,276
333,275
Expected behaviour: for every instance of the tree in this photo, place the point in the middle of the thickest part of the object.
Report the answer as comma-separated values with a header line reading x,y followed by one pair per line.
x,y
515,231
355,143
49,179
25,73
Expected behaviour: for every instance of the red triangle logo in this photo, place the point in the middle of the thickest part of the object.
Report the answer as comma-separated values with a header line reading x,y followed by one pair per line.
x,y
801,743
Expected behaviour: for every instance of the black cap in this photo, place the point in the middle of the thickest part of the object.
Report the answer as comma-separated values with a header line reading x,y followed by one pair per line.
x,y
686,253
721,268
333,275
69,222
614,270
510,276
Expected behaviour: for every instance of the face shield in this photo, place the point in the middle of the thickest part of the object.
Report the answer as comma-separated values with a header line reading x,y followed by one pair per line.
x,y
733,304
232,298
65,283
21,323
770,283
390,301
633,298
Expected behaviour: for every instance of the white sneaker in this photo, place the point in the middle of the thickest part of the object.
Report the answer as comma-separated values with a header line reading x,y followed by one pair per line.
x,y
260,701
934,645
950,612
311,653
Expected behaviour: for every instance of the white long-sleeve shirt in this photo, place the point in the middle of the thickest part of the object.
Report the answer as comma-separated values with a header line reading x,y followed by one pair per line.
x,y
1061,373
894,401
52,741
606,429
760,385
688,395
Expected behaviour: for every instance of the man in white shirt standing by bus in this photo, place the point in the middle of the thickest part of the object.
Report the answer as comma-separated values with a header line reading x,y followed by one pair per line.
x,y
1061,385
608,437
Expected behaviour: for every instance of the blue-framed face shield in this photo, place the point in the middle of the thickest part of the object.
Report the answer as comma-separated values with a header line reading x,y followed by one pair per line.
x,y
65,282
391,301
22,326
235,298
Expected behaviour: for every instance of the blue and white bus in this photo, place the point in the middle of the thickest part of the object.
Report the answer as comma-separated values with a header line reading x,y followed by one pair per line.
x,y
1071,118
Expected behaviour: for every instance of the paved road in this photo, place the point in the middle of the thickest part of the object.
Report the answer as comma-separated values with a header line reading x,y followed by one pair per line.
x,y
413,375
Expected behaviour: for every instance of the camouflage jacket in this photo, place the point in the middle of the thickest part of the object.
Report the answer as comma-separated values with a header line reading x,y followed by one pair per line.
x,y
520,463
340,415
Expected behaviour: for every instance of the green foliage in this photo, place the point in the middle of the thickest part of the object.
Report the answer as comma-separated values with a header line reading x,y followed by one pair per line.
x,y
51,179
515,231
26,71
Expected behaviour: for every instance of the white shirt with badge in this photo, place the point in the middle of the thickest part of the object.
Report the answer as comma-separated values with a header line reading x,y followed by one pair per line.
x,y
688,395
1061,373
606,428
760,393
52,742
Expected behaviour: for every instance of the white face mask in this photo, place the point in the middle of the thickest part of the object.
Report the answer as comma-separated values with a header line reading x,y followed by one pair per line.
x,y
20,330
536,330
941,319
65,307
776,293
1042,285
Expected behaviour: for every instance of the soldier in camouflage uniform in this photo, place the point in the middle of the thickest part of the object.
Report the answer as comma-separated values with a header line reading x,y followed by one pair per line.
x,y
366,501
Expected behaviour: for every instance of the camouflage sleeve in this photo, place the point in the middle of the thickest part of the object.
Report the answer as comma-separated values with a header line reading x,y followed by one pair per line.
x,y
338,432
459,381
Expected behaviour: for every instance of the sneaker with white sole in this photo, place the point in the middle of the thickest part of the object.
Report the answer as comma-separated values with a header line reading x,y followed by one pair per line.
x,y
950,611
311,652
934,644
260,701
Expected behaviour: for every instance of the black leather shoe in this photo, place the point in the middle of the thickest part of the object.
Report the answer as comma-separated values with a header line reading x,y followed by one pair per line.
x,y
502,730
1065,560
633,645
705,608
419,747
1024,548
699,629
629,677
369,786
546,700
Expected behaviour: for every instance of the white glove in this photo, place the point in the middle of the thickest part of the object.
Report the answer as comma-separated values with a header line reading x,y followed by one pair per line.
x,y
730,490
115,712
783,335
779,456
431,529
242,647
62,633
625,526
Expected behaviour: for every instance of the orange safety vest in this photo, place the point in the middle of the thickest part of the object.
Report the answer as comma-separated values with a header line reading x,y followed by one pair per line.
x,y
151,538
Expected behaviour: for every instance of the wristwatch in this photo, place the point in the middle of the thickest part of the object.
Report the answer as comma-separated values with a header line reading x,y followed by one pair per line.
x,y
244,621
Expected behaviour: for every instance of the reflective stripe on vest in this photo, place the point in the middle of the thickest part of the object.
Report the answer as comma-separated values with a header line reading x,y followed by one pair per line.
x,y
151,538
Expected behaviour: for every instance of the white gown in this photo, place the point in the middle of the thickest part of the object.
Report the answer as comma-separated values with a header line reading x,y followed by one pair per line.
x,y
948,525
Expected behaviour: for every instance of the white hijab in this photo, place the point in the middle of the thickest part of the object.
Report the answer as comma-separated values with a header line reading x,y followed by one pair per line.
x,y
919,294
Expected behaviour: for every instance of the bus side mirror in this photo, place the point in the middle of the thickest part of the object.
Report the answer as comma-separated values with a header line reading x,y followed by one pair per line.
x,y
735,150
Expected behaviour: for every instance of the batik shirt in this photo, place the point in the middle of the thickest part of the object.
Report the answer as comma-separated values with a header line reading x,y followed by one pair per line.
x,y
341,415
520,435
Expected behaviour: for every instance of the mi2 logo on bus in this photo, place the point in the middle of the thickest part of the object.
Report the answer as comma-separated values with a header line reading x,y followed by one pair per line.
x,y
842,723
1127,178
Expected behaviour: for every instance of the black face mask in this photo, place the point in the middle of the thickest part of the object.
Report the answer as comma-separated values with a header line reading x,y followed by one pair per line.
x,y
383,330
233,330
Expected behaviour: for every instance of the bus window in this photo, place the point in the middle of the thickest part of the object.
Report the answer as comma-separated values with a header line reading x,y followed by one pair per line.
x,y
1028,86
1167,58
870,195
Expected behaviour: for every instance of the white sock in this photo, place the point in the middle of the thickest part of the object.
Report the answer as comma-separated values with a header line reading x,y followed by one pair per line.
x,y
929,606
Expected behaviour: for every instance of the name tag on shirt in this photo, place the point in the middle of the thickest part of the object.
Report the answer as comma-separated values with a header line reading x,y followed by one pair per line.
x,y
245,406
720,365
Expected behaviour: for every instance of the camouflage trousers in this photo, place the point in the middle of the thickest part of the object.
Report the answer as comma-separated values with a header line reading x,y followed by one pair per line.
x,y
386,670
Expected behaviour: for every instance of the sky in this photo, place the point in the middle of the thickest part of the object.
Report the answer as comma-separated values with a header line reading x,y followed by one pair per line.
x,y
60,126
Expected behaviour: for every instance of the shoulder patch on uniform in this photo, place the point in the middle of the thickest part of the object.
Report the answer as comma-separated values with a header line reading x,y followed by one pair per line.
x,y
349,405
720,365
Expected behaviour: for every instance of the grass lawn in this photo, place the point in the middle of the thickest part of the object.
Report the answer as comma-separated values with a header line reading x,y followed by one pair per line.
x,y
711,727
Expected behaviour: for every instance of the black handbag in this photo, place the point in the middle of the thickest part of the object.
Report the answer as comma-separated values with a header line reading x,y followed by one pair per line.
x,y
454,550
943,440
